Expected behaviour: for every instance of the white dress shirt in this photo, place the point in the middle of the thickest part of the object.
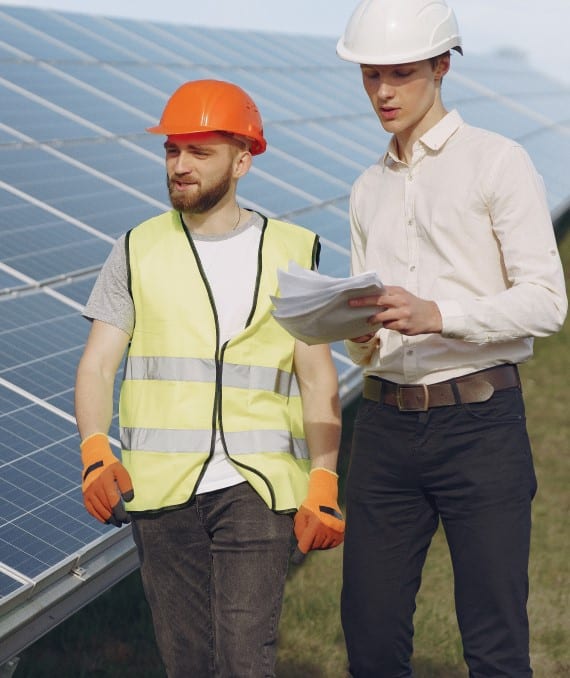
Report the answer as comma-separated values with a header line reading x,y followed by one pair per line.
x,y
466,225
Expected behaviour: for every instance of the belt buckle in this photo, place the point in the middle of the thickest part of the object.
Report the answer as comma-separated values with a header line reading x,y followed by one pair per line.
x,y
423,407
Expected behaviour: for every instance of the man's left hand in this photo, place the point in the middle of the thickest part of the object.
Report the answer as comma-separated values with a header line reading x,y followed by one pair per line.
x,y
319,523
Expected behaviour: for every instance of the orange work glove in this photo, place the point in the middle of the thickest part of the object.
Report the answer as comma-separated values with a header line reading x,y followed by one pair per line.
x,y
319,523
104,481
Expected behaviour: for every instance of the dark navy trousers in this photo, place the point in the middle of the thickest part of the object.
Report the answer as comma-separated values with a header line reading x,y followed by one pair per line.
x,y
470,466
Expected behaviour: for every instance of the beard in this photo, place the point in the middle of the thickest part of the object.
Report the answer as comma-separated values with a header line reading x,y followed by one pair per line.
x,y
202,198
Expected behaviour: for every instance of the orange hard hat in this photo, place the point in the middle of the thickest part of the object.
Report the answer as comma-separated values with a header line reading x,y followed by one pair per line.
x,y
212,106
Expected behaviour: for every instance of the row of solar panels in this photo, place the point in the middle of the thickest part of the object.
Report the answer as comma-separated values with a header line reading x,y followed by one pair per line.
x,y
77,170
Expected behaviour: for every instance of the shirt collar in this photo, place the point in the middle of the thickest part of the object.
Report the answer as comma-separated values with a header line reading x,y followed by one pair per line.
x,y
434,139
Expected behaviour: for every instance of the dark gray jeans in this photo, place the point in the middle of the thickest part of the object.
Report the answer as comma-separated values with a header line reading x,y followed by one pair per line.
x,y
213,574
471,467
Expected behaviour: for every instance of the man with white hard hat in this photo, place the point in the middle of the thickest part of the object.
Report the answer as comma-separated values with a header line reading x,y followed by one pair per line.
x,y
455,221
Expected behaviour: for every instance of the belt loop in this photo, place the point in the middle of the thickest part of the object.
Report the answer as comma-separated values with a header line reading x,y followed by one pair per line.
x,y
518,376
456,393
381,393
426,396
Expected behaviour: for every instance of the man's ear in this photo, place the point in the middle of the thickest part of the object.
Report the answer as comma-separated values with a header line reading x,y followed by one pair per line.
x,y
242,164
442,66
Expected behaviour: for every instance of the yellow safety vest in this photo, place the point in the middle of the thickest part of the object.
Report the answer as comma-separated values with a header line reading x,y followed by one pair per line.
x,y
181,386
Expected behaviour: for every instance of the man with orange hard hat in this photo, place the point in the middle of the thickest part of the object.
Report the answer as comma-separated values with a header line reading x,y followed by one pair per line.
x,y
454,219
222,413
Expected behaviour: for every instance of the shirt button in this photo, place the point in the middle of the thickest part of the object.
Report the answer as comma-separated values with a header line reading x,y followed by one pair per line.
x,y
412,268
410,352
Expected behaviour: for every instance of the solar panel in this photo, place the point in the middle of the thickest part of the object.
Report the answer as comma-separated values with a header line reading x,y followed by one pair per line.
x,y
77,170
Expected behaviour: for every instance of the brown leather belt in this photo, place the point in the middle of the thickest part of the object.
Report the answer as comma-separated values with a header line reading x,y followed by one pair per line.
x,y
471,388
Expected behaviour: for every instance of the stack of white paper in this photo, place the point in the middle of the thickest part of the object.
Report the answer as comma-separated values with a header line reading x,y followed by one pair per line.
x,y
314,307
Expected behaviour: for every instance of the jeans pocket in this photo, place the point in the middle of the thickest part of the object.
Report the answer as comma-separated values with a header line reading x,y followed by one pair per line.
x,y
367,411
505,406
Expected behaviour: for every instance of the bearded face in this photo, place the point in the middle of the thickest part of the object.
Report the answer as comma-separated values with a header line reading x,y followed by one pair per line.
x,y
197,194
201,170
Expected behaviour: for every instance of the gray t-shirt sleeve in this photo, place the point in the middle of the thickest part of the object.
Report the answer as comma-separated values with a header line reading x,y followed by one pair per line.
x,y
110,300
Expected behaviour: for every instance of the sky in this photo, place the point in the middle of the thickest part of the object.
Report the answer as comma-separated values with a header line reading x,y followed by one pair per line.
x,y
538,28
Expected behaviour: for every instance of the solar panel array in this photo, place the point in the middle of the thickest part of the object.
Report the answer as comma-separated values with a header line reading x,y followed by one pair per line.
x,y
77,170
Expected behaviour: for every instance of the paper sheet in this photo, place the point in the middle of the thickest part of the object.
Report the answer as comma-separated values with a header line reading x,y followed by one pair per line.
x,y
314,307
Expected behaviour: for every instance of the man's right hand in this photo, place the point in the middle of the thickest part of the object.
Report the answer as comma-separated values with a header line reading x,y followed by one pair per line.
x,y
402,312
105,481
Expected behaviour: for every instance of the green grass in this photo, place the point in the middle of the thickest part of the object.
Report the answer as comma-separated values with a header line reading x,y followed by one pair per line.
x,y
112,637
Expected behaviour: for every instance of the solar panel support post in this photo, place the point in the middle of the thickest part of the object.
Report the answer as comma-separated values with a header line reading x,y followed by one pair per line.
x,y
7,669
96,570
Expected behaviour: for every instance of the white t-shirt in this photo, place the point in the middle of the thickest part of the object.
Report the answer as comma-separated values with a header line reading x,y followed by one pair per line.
x,y
230,264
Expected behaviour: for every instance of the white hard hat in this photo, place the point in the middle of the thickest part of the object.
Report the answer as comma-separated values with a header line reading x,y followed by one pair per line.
x,y
383,32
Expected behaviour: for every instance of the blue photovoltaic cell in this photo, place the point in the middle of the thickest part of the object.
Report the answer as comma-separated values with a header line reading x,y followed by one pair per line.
x,y
114,84
42,518
17,36
8,584
77,170
41,246
329,224
33,119
78,290
40,469
7,281
138,48
75,39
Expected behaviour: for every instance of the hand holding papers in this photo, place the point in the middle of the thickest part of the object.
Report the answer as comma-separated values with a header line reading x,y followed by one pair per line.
x,y
314,307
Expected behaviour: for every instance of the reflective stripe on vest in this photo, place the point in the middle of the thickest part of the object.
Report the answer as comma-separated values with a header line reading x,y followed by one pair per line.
x,y
240,442
200,369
